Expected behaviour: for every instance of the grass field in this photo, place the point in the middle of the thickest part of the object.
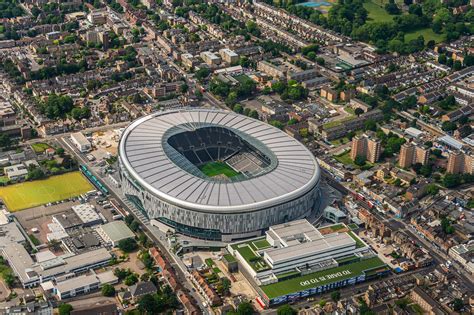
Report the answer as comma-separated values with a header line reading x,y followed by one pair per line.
x,y
218,168
428,35
40,147
320,278
377,12
31,194
346,160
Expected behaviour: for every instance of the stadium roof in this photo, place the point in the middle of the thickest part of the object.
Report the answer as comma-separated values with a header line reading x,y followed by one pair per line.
x,y
143,154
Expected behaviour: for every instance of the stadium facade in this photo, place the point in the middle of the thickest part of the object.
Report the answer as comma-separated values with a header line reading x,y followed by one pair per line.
x,y
164,161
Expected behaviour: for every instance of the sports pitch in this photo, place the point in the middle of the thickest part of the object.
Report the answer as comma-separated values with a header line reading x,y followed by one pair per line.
x,y
31,194
218,168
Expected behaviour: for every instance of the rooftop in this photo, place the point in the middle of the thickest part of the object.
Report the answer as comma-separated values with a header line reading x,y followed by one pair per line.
x,y
117,230
142,151
321,277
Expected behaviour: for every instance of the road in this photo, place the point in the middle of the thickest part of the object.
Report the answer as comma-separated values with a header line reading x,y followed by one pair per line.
x,y
181,273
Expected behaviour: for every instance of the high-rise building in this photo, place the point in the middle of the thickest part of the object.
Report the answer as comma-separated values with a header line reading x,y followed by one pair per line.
x,y
411,153
460,163
366,146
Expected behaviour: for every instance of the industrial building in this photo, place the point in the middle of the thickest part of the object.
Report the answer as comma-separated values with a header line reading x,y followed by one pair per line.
x,y
114,232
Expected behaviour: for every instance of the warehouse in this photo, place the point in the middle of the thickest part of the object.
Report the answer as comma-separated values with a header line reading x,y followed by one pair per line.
x,y
114,232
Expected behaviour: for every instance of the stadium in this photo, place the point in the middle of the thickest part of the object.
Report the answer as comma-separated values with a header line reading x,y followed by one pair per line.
x,y
216,175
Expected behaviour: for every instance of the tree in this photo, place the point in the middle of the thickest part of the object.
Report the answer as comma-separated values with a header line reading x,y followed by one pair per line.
x,y
202,73
358,111
35,172
59,151
8,278
370,124
184,88
5,141
253,114
442,59
224,286
446,226
135,226
108,290
458,304
238,109
148,304
245,308
131,279
128,245
437,152
311,55
432,189
451,180
65,309
457,65
277,124
449,126
360,160
336,296
286,310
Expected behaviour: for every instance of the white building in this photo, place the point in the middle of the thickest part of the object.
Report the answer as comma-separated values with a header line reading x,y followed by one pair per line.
x,y
87,214
83,284
299,247
16,172
299,244
464,254
81,142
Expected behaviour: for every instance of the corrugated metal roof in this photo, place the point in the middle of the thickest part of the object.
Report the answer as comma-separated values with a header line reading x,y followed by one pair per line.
x,y
143,154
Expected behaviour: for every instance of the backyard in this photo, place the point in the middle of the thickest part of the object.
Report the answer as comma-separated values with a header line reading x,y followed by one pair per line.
x,y
31,194
40,147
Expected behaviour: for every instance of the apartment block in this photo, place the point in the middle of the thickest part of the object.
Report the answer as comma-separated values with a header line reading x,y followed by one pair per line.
x,y
411,153
460,163
210,58
228,55
366,146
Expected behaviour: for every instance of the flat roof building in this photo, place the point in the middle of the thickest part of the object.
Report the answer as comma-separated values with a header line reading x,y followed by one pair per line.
x,y
114,232
87,214
296,259
32,273
81,142
16,172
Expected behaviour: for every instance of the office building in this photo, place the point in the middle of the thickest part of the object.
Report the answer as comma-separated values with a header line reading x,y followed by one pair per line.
x,y
460,163
411,153
366,146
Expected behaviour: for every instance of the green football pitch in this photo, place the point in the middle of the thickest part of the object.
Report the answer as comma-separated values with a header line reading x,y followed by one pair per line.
x,y
31,194
218,168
